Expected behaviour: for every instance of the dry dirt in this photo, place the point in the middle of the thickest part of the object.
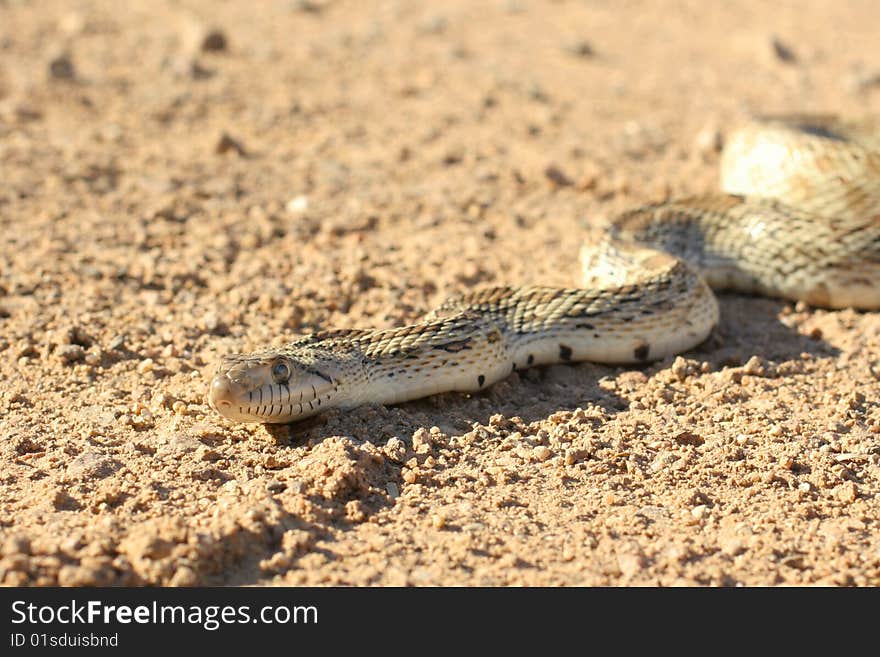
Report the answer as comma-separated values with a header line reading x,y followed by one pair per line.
x,y
180,180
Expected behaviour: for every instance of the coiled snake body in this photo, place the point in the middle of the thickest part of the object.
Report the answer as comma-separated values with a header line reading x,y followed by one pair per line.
x,y
799,219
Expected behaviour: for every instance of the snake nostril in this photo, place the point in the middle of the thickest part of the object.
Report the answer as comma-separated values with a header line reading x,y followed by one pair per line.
x,y
221,391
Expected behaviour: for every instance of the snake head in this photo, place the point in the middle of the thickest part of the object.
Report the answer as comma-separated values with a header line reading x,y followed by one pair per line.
x,y
270,387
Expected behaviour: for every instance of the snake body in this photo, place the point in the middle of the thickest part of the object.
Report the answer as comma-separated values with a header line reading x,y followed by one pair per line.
x,y
799,219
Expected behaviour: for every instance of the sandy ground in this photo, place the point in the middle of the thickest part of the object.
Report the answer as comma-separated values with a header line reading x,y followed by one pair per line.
x,y
187,179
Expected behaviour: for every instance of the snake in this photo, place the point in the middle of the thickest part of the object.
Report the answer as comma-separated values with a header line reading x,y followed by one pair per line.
x,y
797,218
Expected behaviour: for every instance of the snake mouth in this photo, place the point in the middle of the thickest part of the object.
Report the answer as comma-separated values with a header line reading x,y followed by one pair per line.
x,y
244,399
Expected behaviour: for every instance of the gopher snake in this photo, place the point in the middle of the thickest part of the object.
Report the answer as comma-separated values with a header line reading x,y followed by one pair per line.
x,y
800,219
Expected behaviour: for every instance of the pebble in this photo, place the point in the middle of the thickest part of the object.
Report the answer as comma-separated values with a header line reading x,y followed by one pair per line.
x,y
680,368
213,40
298,204
541,453
556,176
226,144
307,6
700,511
72,23
395,449
92,465
581,48
275,486
573,456
782,51
754,366
210,321
847,492
146,365
61,67
421,441
689,438
70,353
393,490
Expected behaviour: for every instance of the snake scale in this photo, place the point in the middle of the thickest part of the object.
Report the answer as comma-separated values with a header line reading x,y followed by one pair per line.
x,y
799,218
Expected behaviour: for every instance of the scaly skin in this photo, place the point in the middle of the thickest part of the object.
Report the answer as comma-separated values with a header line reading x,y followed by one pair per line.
x,y
801,220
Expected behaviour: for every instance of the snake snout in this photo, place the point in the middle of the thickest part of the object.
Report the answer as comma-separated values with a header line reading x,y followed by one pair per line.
x,y
221,394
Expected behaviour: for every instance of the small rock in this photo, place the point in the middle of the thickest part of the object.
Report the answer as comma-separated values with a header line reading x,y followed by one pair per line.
x,y
70,353
453,155
556,176
395,449
62,501
688,438
213,40
541,453
847,492
210,321
421,441
700,511
573,456
61,67
754,367
180,443
581,48
226,143
298,204
307,6
72,23
146,365
680,368
393,490
94,357
781,51
91,465
275,486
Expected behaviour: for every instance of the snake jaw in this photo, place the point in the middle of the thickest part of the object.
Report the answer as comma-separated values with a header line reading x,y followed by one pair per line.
x,y
245,389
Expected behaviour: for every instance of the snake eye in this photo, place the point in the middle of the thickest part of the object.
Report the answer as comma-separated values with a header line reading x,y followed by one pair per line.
x,y
280,372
